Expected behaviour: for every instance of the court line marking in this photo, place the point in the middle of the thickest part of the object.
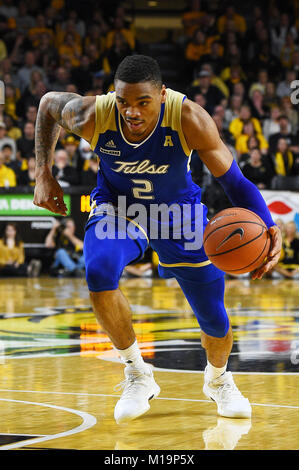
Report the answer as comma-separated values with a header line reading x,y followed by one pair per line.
x,y
196,400
88,422
158,369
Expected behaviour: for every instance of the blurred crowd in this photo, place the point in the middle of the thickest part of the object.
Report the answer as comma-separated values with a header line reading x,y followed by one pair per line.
x,y
238,61
239,66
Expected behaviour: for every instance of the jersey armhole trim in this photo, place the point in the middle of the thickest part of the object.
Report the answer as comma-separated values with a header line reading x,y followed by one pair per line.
x,y
96,133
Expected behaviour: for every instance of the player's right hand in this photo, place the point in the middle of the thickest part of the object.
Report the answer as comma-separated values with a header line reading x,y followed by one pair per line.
x,y
49,195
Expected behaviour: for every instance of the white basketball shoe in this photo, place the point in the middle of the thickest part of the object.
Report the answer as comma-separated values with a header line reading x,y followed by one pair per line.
x,y
230,401
139,387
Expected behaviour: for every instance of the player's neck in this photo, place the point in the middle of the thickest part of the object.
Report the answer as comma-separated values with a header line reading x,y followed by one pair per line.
x,y
137,139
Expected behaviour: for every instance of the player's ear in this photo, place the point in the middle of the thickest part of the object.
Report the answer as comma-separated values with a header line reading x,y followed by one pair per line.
x,y
163,94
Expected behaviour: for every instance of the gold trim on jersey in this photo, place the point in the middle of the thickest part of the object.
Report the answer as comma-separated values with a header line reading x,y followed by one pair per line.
x,y
105,116
189,265
172,116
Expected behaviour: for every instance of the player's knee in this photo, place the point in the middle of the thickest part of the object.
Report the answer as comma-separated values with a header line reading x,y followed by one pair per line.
x,y
217,326
102,273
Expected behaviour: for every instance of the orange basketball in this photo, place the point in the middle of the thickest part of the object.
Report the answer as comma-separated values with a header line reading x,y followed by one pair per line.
x,y
236,240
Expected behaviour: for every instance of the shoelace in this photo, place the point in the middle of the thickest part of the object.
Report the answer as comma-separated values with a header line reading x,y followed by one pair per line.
x,y
229,390
128,386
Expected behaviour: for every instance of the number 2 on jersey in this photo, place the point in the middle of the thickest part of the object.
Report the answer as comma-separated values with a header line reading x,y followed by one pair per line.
x,y
142,189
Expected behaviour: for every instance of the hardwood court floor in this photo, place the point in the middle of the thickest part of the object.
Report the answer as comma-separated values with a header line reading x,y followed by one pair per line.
x,y
58,371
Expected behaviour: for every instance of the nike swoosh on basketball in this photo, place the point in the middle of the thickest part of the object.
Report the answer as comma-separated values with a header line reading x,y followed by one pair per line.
x,y
237,231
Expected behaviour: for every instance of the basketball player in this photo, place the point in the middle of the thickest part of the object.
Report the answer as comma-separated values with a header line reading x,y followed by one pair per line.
x,y
144,135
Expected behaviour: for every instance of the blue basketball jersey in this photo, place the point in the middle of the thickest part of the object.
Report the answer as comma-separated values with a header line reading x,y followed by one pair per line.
x,y
155,170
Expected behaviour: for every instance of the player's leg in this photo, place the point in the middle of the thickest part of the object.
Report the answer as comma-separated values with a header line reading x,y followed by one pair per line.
x,y
207,302
105,260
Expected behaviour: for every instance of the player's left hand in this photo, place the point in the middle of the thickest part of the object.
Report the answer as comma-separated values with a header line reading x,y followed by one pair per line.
x,y
273,256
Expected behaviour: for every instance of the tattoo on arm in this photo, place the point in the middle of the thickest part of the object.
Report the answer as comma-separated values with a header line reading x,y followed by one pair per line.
x,y
56,110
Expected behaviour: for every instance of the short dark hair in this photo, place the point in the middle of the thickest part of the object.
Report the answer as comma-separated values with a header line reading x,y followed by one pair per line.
x,y
139,68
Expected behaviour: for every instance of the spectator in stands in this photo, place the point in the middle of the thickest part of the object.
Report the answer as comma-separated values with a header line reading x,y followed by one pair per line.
x,y
285,133
214,57
96,37
79,24
5,140
191,19
232,75
7,175
69,26
247,132
215,80
121,27
7,9
280,32
237,124
288,267
270,97
31,114
12,255
82,76
24,21
9,160
265,59
40,28
118,50
258,108
230,16
283,159
89,176
258,170
32,95
211,93
284,87
24,73
200,99
65,174
70,144
46,54
233,110
62,79
289,110
11,99
261,82
196,48
26,143
287,51
96,63
70,50
12,128
68,257
271,124
27,177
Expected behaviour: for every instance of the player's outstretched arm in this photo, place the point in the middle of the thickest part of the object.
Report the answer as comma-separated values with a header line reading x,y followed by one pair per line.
x,y
76,114
202,135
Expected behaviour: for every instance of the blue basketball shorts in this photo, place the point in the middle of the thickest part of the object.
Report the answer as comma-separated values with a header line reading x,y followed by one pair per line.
x,y
112,242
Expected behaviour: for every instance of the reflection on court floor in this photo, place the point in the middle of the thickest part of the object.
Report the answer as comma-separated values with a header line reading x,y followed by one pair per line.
x,y
59,370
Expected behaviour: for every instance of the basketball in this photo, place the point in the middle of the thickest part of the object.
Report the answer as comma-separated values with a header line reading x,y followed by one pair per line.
x,y
236,240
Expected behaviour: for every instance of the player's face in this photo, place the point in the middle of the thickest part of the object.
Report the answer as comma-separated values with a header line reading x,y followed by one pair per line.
x,y
139,105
